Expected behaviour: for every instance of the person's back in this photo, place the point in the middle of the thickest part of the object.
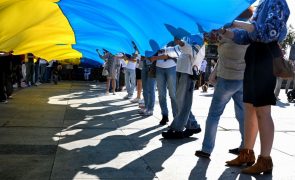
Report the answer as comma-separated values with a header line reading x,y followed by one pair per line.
x,y
230,72
184,61
231,64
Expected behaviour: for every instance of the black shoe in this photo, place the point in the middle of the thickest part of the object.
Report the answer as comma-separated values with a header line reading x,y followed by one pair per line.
x,y
202,154
164,120
235,151
190,132
170,134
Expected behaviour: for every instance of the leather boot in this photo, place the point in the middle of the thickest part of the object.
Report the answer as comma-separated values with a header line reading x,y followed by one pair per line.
x,y
246,156
263,165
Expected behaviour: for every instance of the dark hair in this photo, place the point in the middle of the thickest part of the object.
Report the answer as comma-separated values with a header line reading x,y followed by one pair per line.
x,y
105,50
128,56
177,38
30,55
171,43
246,14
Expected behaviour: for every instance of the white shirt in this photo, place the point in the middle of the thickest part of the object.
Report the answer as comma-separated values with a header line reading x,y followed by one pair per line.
x,y
172,52
42,61
203,66
50,63
188,58
132,65
123,63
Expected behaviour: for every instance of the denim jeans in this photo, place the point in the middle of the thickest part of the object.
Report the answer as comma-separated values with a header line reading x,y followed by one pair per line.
x,y
149,88
224,91
184,98
166,78
42,72
130,81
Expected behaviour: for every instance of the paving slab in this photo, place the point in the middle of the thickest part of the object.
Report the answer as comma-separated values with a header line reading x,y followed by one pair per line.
x,y
25,166
73,131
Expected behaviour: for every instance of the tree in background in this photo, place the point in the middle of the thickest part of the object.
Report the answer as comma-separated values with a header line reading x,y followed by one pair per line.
x,y
289,39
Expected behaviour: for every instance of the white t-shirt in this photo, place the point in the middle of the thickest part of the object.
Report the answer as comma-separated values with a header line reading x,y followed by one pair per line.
x,y
172,52
186,60
42,61
203,66
131,64
123,63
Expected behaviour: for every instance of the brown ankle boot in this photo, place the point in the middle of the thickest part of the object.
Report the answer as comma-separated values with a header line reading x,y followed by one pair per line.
x,y
263,165
246,156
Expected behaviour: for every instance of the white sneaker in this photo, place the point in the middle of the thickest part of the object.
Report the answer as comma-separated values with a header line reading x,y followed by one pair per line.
x,y
107,93
127,97
136,100
141,101
142,111
148,113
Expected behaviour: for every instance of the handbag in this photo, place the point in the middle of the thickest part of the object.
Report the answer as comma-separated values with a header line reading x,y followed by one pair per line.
x,y
105,72
281,68
196,74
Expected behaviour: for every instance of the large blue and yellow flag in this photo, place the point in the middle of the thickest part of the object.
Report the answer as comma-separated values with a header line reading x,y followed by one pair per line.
x,y
65,29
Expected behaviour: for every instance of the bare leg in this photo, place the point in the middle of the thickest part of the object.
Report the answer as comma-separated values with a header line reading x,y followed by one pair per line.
x,y
266,129
139,88
251,126
114,85
108,85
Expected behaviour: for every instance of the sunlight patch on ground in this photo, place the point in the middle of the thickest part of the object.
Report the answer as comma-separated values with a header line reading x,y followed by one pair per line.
x,y
90,108
119,162
63,99
83,175
79,144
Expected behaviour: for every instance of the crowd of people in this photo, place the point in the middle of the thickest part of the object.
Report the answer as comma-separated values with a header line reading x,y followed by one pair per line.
x,y
20,71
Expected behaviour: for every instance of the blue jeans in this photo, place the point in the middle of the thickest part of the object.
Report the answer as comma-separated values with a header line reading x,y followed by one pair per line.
x,y
130,81
224,91
149,88
166,78
184,98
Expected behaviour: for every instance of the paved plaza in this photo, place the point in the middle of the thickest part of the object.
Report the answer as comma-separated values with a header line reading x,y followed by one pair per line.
x,y
72,131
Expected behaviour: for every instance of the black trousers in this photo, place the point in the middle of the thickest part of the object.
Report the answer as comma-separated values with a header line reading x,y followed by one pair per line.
x,y
3,95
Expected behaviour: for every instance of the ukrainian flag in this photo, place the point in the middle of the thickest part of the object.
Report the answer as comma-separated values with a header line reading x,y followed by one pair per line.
x,y
69,29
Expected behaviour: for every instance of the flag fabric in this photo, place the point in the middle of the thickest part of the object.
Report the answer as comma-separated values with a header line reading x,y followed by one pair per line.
x,y
65,29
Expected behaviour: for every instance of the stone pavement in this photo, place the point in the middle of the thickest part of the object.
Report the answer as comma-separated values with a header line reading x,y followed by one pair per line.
x,y
71,131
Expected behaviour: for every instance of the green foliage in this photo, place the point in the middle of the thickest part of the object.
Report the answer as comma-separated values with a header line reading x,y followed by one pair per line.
x,y
290,39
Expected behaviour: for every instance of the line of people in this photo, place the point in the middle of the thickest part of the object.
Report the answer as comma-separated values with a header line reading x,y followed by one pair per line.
x,y
244,73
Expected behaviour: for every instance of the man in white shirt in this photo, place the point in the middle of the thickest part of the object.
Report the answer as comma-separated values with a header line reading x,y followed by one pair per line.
x,y
166,79
184,118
